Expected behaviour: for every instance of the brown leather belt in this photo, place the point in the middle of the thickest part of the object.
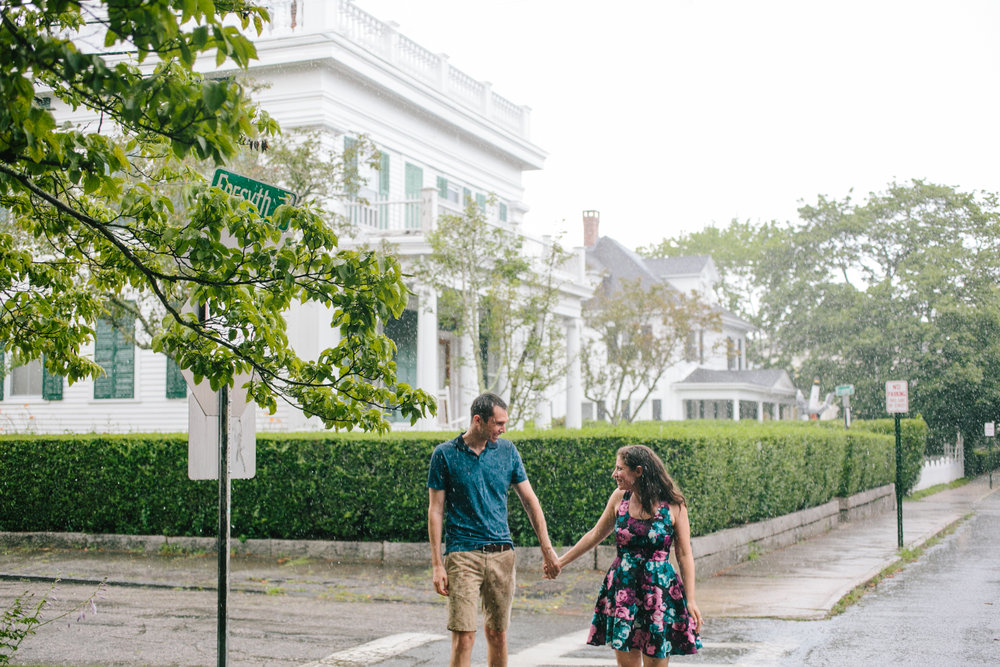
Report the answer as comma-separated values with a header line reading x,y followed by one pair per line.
x,y
493,548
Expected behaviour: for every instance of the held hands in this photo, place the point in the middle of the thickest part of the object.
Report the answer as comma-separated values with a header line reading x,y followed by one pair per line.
x,y
551,565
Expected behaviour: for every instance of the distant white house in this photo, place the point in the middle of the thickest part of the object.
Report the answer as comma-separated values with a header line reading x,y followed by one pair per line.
x,y
444,137
714,380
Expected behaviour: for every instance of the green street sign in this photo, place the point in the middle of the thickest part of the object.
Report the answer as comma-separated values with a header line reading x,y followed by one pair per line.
x,y
845,390
266,198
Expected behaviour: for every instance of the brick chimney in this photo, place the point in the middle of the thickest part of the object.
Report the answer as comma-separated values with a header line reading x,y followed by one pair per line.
x,y
591,221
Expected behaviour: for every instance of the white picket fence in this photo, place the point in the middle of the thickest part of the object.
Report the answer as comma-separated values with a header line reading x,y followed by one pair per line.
x,y
943,469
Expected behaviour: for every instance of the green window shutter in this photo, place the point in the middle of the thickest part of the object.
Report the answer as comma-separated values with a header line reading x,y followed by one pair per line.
x,y
383,175
442,187
503,212
414,181
52,385
481,201
466,196
351,176
114,352
176,386
104,356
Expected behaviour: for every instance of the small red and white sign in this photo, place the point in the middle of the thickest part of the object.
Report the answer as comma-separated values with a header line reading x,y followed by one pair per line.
x,y
897,397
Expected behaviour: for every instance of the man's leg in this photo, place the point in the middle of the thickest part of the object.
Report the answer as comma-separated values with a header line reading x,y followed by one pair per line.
x,y
496,645
465,578
461,648
498,595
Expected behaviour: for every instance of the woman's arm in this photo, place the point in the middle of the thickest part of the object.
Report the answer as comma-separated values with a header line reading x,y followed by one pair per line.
x,y
685,559
598,533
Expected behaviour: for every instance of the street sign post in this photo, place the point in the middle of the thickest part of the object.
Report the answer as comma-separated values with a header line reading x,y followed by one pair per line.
x,y
990,432
845,391
265,197
897,402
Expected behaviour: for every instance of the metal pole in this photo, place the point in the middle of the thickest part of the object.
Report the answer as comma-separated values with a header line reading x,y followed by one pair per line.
x,y
224,520
899,483
989,462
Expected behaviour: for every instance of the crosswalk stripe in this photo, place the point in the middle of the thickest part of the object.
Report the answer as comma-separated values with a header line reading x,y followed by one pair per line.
x,y
377,650
552,652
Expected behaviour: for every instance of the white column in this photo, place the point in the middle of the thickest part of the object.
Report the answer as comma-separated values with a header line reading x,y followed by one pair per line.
x,y
574,378
760,411
427,350
468,384
736,409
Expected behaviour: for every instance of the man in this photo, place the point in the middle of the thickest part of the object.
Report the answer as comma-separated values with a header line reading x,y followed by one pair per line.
x,y
468,481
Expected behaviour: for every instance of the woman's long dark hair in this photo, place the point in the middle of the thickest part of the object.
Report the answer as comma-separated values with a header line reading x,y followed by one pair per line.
x,y
655,485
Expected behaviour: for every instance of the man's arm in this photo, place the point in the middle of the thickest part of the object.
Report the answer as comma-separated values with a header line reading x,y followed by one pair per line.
x,y
537,518
435,525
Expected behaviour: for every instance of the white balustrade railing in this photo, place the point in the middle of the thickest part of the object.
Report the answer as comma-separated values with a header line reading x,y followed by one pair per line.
x,y
382,39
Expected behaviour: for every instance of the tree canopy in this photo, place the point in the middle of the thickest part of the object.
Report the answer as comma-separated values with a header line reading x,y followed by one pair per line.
x,y
109,209
901,285
493,292
640,332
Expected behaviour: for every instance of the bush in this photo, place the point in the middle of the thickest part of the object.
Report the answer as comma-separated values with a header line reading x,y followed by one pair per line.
x,y
913,439
368,488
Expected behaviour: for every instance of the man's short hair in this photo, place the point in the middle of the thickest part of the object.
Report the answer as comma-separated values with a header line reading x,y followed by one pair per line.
x,y
484,404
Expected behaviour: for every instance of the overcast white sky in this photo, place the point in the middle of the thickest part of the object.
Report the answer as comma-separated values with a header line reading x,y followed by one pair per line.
x,y
670,115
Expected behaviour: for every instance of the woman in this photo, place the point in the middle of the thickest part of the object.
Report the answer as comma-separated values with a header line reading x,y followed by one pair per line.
x,y
644,607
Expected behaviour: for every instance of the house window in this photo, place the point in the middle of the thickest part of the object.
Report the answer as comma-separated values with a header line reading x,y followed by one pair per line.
x,y
657,409
176,386
691,347
731,362
115,353
31,379
448,191
403,332
587,410
26,379
503,212
626,410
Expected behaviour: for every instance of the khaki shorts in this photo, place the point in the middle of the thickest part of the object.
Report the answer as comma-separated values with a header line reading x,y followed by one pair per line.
x,y
472,574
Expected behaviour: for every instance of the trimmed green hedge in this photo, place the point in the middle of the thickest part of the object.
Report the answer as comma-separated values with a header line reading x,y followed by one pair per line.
x,y
362,487
981,461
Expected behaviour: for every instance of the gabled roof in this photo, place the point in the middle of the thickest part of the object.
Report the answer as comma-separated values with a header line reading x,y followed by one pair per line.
x,y
688,265
763,377
620,263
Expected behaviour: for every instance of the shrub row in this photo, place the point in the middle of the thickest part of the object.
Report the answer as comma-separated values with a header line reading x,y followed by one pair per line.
x,y
358,487
981,461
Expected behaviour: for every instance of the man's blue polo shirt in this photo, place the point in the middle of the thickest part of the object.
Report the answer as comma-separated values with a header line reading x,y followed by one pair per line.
x,y
475,491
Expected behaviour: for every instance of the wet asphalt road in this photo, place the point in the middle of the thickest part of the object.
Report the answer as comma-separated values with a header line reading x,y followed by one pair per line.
x,y
943,610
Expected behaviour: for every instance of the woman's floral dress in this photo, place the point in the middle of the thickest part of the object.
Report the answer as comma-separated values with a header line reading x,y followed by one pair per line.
x,y
641,604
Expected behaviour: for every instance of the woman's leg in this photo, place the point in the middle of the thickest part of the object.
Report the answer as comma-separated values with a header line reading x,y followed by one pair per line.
x,y
628,658
647,661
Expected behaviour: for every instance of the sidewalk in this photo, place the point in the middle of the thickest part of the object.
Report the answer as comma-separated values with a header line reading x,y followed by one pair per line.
x,y
805,580
802,581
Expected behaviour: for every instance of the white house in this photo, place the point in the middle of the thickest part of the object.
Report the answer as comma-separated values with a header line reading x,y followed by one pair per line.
x,y
713,380
444,136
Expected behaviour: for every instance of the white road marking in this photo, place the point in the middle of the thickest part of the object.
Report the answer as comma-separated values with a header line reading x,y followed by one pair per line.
x,y
378,650
553,653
